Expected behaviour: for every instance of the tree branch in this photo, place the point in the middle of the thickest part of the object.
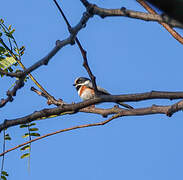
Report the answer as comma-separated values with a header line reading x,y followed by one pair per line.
x,y
83,52
60,131
60,44
11,74
102,12
73,108
47,58
24,68
176,35
168,110
18,85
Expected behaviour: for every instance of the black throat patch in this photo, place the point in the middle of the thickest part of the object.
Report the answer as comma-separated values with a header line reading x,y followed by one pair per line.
x,y
77,87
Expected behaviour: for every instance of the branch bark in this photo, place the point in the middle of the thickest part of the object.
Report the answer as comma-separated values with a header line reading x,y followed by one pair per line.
x,y
45,60
11,74
18,85
73,108
103,12
168,27
83,52
168,110
61,131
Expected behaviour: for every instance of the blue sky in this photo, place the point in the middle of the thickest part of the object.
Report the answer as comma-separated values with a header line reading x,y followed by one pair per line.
x,y
126,56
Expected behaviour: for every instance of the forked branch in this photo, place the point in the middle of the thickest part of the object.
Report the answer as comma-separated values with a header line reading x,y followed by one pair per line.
x,y
168,110
74,108
83,52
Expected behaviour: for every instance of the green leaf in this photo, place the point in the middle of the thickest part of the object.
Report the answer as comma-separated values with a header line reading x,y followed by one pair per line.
x,y
23,125
31,134
2,49
12,31
16,50
9,27
4,173
33,129
25,148
7,137
25,135
25,155
22,49
26,78
32,124
6,53
8,34
7,62
1,21
34,134
3,178
26,125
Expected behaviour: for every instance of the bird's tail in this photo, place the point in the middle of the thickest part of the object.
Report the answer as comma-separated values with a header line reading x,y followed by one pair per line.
x,y
125,105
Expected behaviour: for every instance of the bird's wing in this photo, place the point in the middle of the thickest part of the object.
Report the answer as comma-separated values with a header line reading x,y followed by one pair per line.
x,y
101,90
104,92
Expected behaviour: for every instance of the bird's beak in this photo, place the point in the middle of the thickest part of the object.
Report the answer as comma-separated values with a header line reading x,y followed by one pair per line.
x,y
74,84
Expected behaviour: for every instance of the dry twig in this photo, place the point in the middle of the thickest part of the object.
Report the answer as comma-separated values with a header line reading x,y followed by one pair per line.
x,y
60,131
83,52
176,35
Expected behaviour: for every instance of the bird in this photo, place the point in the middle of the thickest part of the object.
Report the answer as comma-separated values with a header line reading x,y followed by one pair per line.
x,y
85,90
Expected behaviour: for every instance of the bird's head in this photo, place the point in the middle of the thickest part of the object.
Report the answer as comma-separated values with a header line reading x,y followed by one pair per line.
x,y
81,81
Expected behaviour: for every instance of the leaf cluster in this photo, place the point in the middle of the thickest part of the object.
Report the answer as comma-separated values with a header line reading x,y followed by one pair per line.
x,y
8,54
31,133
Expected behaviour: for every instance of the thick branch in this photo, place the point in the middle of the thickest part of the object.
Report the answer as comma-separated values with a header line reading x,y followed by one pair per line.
x,y
73,108
60,44
24,68
119,113
154,109
18,85
11,74
47,58
102,12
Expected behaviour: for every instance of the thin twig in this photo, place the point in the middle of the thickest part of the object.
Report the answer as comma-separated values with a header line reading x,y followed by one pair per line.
x,y
62,13
176,35
38,92
83,52
4,146
58,102
62,130
24,68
